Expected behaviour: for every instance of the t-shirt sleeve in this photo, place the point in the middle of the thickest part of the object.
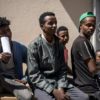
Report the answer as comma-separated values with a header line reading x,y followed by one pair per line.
x,y
85,50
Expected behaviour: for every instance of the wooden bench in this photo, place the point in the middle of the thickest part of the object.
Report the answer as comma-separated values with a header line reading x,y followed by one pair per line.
x,y
7,97
10,97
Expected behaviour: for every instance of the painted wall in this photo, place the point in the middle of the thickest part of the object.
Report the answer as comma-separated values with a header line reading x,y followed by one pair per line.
x,y
97,11
24,16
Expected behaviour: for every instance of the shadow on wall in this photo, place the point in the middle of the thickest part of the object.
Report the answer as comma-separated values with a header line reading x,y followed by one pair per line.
x,y
76,7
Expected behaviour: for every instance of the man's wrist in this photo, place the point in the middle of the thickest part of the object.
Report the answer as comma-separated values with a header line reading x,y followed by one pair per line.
x,y
60,88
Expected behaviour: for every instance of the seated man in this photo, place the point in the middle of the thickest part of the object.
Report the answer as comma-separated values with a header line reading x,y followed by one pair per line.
x,y
46,65
98,65
83,57
63,35
11,65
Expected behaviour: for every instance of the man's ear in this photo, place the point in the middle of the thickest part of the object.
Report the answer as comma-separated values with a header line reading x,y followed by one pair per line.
x,y
41,25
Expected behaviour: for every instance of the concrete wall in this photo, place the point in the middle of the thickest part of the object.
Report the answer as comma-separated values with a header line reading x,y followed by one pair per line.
x,y
24,16
97,11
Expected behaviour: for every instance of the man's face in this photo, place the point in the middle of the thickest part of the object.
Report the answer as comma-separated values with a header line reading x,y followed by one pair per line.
x,y
88,27
63,36
50,25
5,31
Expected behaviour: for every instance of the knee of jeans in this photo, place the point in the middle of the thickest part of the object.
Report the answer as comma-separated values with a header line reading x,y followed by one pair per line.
x,y
85,97
24,96
28,97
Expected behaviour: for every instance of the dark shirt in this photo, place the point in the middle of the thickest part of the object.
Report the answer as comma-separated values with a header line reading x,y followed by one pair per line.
x,y
20,57
82,50
19,53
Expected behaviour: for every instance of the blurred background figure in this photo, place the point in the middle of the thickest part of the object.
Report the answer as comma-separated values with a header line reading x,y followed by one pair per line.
x,y
63,35
98,59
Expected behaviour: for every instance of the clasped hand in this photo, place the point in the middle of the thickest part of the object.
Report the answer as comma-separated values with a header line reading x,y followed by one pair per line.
x,y
60,94
5,57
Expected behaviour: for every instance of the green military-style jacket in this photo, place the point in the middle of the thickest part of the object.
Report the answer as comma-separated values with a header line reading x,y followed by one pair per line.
x,y
45,71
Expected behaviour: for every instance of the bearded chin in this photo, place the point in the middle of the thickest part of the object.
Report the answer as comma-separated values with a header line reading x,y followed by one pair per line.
x,y
89,35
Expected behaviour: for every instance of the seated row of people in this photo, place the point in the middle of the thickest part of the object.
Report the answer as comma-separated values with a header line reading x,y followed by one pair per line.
x,y
46,65
47,60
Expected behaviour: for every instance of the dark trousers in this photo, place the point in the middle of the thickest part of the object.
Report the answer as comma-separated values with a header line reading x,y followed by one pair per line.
x,y
74,93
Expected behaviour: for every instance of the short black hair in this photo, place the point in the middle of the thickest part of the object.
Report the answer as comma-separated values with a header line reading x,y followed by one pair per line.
x,y
4,22
43,15
62,28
